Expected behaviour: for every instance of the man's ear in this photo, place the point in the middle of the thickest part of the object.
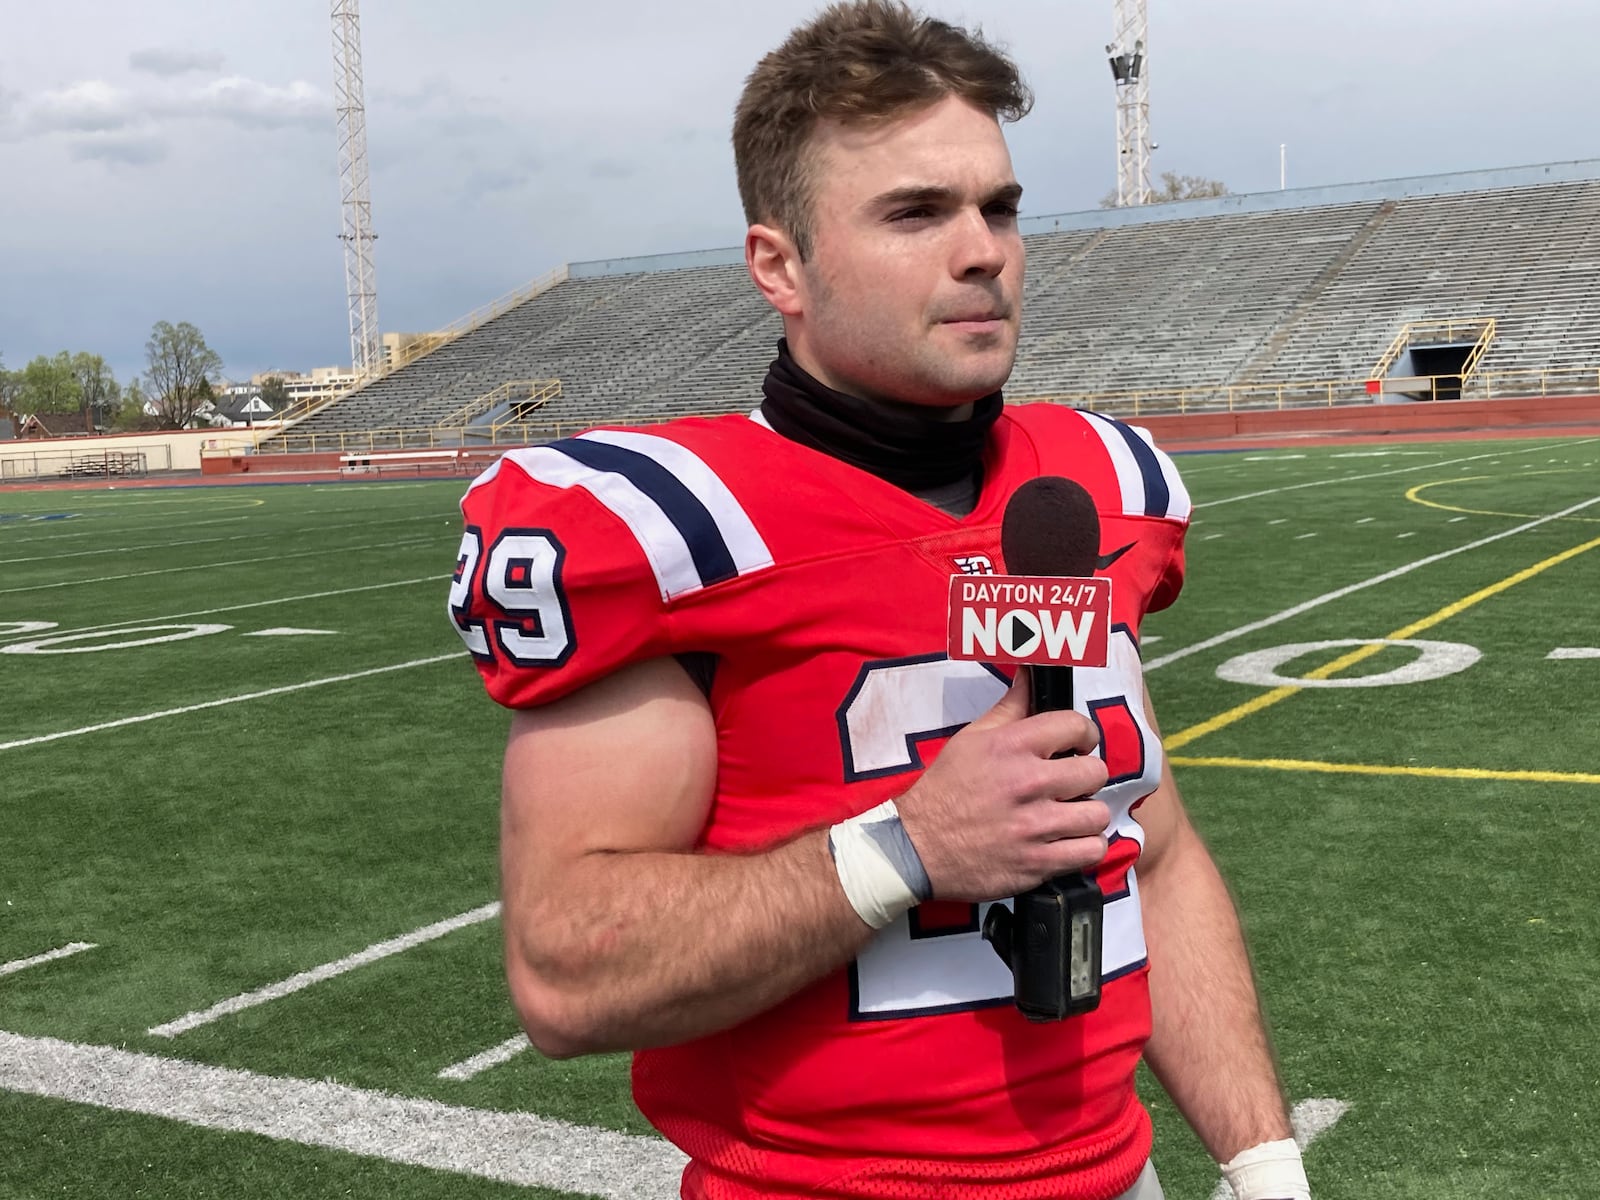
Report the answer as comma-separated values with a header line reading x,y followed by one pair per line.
x,y
775,267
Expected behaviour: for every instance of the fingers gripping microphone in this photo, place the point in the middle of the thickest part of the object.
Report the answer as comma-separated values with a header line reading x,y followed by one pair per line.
x,y
1052,938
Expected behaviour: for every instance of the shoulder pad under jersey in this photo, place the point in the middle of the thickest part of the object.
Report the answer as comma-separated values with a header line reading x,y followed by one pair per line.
x,y
574,553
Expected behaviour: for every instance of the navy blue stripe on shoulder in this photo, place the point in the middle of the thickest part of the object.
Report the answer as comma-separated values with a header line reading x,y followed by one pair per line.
x,y
1156,495
709,551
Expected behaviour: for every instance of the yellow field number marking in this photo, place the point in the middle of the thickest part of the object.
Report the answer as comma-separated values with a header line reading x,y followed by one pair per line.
x,y
1328,670
1332,768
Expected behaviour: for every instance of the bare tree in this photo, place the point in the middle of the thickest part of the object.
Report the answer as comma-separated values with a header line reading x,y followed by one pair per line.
x,y
98,391
1177,187
180,367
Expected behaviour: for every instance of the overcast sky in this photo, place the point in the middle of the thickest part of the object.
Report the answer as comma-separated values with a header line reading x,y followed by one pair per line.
x,y
176,160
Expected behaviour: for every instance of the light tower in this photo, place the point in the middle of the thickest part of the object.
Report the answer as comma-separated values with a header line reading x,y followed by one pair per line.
x,y
1130,67
361,283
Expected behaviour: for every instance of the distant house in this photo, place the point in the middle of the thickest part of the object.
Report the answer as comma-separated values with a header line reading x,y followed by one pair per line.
x,y
38,426
233,411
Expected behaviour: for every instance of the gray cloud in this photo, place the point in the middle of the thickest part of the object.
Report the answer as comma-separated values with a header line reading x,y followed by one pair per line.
x,y
91,106
253,104
509,175
94,106
167,61
122,149
610,168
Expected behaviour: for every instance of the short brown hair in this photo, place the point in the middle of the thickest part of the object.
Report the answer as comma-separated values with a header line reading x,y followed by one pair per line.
x,y
858,61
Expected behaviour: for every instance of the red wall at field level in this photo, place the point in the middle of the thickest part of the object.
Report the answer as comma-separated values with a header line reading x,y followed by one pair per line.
x,y
1441,416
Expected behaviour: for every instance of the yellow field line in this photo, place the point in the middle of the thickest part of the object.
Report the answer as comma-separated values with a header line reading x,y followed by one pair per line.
x,y
1267,699
1330,768
1415,496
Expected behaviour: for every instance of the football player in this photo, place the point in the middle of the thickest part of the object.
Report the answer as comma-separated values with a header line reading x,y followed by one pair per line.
x,y
753,814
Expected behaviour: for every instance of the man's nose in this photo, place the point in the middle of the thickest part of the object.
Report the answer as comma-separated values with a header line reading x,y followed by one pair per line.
x,y
978,247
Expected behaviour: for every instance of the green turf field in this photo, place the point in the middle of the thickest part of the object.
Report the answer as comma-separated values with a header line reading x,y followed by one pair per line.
x,y
250,801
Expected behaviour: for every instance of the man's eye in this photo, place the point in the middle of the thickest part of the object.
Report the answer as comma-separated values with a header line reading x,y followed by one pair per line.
x,y
912,214
1002,209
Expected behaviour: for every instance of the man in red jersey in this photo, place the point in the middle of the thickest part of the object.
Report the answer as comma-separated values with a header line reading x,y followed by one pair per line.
x,y
753,814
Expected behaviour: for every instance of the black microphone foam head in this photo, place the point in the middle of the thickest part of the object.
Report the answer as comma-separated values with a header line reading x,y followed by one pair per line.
x,y
1050,528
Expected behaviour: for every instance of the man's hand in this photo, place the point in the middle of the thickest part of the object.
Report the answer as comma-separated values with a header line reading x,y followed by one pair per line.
x,y
988,818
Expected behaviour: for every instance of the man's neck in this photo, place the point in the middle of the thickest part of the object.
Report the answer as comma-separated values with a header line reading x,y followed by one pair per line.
x,y
903,444
807,362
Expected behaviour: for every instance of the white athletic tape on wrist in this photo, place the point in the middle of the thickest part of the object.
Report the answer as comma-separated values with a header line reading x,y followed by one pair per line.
x,y
878,866
1270,1171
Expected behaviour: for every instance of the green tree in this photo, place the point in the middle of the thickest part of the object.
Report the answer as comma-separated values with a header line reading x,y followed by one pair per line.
x,y
98,390
49,385
274,393
180,367
131,416
1177,187
10,398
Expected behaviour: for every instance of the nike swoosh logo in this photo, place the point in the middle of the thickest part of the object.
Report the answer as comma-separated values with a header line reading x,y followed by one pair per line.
x,y
1103,563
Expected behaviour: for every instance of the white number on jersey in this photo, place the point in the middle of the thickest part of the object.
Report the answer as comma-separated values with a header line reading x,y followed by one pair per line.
x,y
521,576
934,960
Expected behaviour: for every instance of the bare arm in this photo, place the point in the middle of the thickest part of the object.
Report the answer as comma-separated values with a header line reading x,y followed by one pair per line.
x,y
619,935
1209,1045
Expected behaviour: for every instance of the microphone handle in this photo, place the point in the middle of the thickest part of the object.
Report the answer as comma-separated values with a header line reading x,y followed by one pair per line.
x,y
1053,980
1051,689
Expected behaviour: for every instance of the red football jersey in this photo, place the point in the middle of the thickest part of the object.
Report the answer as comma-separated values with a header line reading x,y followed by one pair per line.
x,y
822,590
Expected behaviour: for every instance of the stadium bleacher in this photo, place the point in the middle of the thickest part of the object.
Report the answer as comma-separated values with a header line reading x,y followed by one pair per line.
x,y
1279,288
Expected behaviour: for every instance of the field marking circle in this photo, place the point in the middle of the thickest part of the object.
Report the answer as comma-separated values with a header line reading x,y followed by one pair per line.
x,y
1414,495
1437,660
58,645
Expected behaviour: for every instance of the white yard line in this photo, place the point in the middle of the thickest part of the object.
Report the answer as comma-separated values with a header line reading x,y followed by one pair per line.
x,y
1311,1119
206,612
208,566
470,1068
1341,593
1427,466
518,1148
22,964
289,532
328,970
40,739
1573,653
11,542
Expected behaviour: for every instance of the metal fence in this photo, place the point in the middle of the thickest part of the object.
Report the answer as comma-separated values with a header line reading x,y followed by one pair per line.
x,y
43,465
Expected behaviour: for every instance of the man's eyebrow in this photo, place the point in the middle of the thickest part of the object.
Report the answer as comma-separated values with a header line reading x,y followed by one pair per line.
x,y
933,194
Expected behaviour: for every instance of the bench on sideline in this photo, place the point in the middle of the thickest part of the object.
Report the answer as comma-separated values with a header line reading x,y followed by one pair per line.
x,y
458,461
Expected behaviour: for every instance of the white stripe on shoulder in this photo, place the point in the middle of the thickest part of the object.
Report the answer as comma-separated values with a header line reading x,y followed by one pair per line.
x,y
745,544
663,546
1178,504
1129,478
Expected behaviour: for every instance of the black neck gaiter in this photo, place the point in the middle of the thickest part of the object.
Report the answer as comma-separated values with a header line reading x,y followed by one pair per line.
x,y
896,442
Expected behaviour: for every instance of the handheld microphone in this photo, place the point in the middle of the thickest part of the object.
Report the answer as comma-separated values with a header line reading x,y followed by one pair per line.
x,y
1053,936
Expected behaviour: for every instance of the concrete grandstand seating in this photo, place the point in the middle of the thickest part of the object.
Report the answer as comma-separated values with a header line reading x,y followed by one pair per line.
x,y
1247,289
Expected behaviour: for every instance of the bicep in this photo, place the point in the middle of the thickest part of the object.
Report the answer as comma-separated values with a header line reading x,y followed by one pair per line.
x,y
627,763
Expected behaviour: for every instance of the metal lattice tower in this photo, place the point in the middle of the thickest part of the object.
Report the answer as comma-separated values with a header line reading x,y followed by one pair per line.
x,y
361,282
1130,67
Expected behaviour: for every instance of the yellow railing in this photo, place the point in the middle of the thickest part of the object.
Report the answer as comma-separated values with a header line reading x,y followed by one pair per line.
x,y
533,392
1479,349
1449,329
1487,385
304,407
410,351
1527,382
